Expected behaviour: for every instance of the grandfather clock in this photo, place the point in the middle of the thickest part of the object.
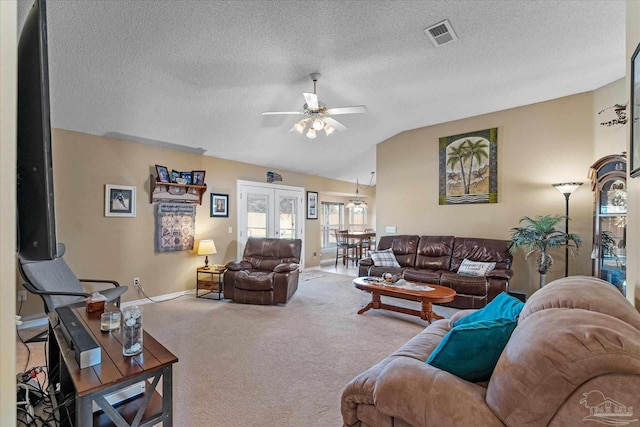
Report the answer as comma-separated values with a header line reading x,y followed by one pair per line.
x,y
609,184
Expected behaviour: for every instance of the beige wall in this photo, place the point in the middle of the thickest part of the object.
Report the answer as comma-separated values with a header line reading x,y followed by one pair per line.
x,y
538,145
123,248
8,43
633,184
609,139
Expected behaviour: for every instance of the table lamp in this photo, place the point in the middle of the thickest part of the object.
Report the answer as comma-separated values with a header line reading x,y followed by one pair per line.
x,y
206,248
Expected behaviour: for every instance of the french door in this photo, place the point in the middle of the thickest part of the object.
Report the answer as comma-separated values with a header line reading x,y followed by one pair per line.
x,y
267,210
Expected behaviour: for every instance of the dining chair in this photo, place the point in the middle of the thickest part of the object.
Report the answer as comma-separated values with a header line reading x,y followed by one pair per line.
x,y
369,243
344,248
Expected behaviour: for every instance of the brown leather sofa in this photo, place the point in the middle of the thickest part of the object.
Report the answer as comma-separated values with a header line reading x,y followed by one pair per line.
x,y
267,274
573,359
436,259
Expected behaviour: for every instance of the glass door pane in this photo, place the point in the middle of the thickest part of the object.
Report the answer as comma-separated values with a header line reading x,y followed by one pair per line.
x,y
287,215
613,242
257,215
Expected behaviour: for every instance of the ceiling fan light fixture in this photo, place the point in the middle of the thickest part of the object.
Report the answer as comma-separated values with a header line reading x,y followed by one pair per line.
x,y
311,133
299,127
328,129
318,124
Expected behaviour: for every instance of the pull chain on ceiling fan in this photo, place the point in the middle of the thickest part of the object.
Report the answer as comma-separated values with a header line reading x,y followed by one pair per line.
x,y
318,117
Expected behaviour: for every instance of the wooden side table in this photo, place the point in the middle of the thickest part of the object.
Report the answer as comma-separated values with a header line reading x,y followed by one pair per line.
x,y
210,280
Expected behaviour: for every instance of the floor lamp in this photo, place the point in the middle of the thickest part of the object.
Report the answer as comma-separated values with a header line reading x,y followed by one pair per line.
x,y
567,188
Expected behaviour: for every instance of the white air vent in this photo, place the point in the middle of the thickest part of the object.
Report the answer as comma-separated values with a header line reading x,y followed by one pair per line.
x,y
441,33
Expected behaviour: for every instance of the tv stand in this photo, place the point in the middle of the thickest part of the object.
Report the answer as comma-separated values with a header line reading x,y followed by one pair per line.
x,y
84,387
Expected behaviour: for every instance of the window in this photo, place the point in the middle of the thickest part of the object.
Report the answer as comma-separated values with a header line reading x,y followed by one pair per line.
x,y
357,218
332,219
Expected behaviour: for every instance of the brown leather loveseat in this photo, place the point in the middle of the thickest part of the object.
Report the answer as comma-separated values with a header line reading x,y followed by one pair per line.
x,y
436,260
267,274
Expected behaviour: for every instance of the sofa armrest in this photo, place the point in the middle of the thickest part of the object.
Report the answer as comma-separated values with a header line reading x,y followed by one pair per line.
x,y
501,274
366,261
423,395
285,267
459,315
238,265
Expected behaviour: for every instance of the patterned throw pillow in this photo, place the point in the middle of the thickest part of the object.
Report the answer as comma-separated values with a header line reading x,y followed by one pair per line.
x,y
475,268
384,258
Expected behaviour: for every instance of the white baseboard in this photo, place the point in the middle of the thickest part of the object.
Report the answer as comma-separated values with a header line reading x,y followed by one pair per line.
x,y
43,321
158,298
34,323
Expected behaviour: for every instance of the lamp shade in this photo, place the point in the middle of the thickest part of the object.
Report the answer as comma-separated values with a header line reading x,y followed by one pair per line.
x,y
207,247
567,187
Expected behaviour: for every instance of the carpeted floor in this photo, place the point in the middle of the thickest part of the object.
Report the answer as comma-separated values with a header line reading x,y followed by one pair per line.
x,y
248,365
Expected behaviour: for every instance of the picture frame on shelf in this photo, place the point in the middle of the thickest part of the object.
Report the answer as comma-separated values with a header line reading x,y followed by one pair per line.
x,y
175,175
119,200
197,177
312,205
219,205
163,173
186,176
635,114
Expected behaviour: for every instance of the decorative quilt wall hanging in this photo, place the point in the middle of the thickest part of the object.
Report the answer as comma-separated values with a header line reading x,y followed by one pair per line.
x,y
469,168
175,227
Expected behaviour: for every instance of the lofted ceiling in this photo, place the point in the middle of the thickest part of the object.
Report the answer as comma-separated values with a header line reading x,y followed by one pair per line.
x,y
198,74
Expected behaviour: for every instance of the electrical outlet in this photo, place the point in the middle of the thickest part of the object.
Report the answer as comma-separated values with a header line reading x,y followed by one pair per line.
x,y
136,282
22,296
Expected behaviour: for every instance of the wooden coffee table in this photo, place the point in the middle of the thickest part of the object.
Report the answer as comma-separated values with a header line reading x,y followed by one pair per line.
x,y
439,294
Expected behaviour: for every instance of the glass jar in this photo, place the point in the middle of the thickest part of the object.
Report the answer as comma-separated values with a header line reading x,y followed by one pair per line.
x,y
132,330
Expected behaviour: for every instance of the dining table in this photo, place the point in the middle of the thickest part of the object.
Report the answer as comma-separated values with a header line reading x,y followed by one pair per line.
x,y
358,236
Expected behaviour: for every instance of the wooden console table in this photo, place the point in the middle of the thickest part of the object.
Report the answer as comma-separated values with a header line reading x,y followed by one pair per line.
x,y
85,386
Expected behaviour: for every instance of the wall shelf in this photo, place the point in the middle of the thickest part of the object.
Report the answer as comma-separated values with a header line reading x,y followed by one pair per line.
x,y
172,192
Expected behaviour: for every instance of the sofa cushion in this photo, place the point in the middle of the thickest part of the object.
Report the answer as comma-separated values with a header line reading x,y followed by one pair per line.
x,y
504,306
434,252
471,351
422,276
475,268
254,281
467,285
485,250
384,258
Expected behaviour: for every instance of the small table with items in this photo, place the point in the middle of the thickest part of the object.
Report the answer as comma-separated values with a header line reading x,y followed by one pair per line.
x,y
210,279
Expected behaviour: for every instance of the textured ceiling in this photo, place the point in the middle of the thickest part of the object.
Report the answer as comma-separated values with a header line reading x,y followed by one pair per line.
x,y
199,73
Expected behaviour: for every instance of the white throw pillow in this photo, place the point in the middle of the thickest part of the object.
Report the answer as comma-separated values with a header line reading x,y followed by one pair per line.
x,y
475,268
384,258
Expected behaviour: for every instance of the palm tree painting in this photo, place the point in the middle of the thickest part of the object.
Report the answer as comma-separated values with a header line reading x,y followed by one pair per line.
x,y
468,168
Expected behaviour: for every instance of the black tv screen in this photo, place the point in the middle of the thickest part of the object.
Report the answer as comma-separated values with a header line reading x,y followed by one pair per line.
x,y
36,212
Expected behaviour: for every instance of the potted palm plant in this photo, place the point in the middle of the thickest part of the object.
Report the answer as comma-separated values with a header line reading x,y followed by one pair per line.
x,y
538,236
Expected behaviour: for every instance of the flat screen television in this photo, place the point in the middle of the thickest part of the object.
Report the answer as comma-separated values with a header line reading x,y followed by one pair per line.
x,y
36,211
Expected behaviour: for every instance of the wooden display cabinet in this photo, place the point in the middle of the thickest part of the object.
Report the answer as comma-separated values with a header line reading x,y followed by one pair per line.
x,y
609,184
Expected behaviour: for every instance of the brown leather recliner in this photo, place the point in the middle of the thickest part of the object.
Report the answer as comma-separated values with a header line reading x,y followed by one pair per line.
x,y
267,274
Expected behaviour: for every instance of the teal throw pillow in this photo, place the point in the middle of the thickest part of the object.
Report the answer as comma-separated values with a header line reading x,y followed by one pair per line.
x,y
503,306
471,351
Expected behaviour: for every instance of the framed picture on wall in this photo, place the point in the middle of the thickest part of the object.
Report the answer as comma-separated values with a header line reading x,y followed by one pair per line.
x,y
312,205
119,200
197,177
163,173
219,205
635,114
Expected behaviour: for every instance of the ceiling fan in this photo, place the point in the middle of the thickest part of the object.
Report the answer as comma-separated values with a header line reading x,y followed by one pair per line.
x,y
317,115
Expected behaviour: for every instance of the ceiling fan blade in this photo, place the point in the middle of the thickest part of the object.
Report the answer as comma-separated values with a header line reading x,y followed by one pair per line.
x,y
272,113
312,100
355,109
333,122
